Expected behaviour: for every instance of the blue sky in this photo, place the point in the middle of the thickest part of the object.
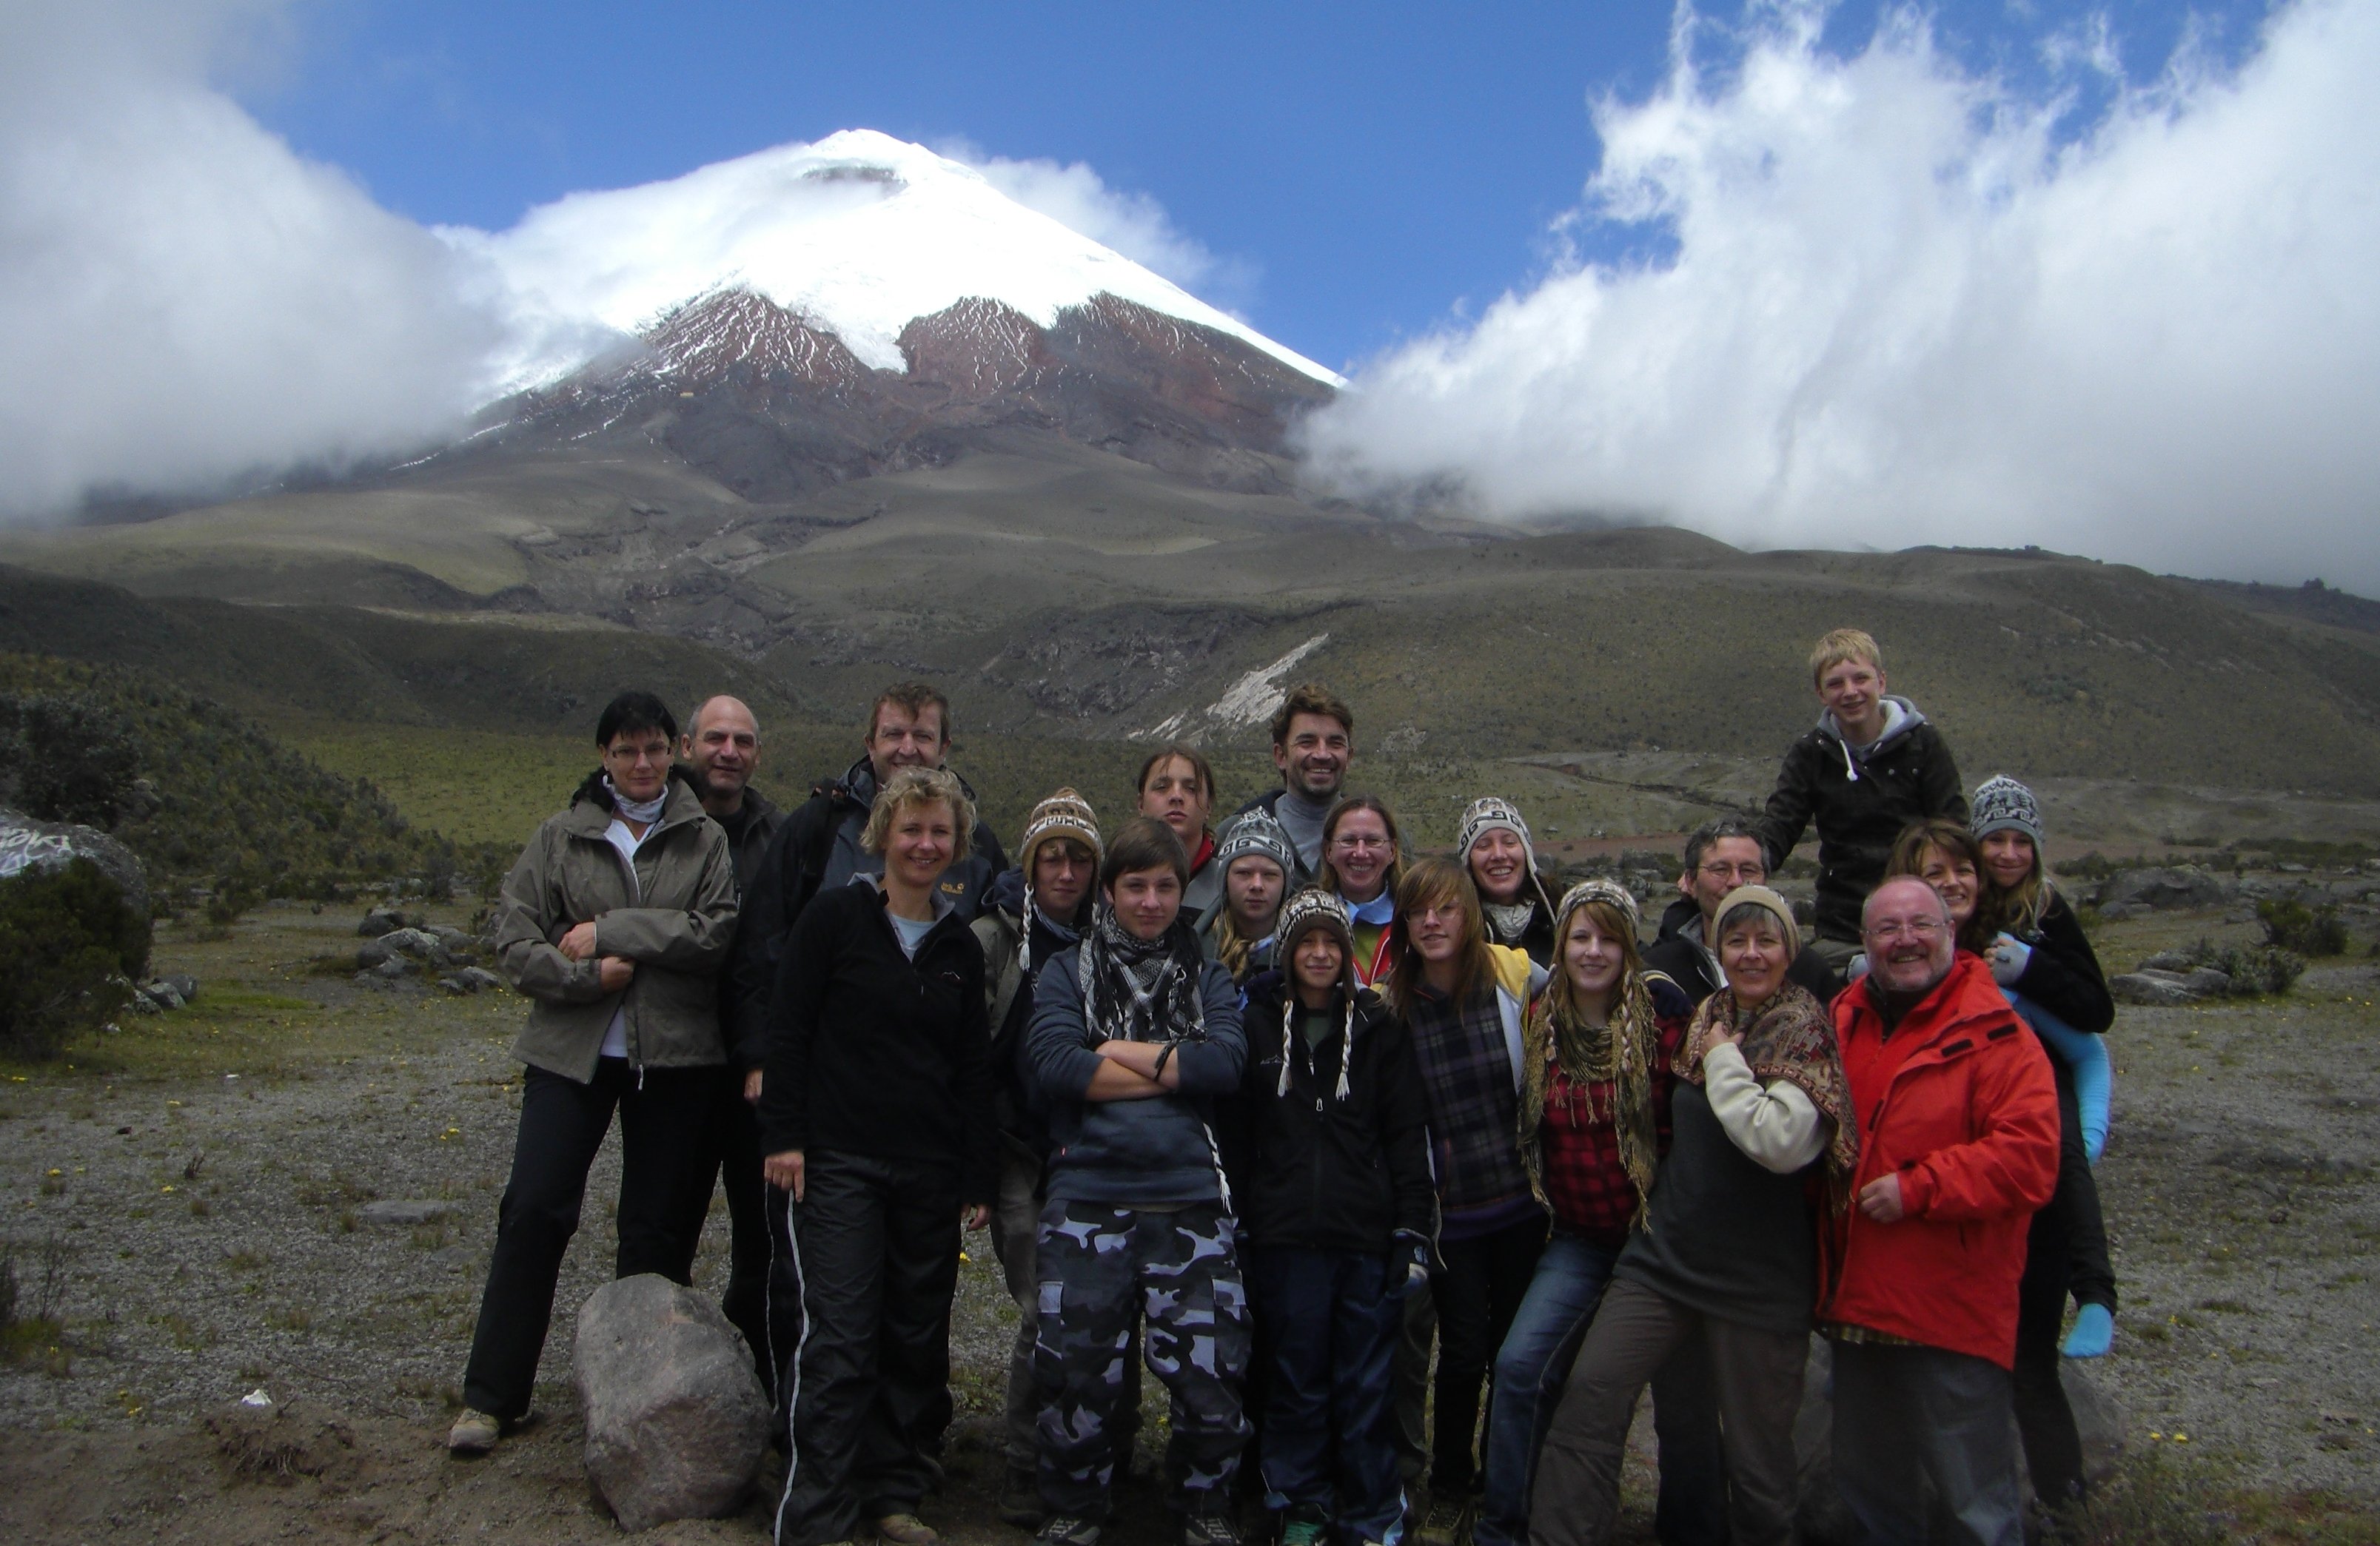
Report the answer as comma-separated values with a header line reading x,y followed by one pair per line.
x,y
1364,172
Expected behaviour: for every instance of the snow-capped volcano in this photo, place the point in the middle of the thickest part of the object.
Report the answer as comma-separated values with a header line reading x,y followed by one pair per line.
x,y
857,235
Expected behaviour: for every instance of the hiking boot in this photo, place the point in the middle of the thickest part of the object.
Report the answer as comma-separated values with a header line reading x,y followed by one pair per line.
x,y
1448,1523
1020,1498
475,1432
1067,1530
905,1530
1210,1529
1304,1525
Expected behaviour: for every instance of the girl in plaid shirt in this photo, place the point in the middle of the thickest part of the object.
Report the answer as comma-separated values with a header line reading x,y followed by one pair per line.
x,y
1594,1122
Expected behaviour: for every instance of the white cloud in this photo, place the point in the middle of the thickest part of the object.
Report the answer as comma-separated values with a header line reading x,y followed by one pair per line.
x,y
183,299
1133,224
1897,309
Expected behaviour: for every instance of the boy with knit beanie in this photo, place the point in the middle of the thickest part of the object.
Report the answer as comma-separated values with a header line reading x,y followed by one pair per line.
x,y
1032,913
1872,767
1328,1150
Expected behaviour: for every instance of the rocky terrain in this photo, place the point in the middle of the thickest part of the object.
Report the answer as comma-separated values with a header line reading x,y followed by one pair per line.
x,y
288,1185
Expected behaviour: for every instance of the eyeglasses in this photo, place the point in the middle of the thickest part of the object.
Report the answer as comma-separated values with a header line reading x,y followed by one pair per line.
x,y
1916,928
634,755
1360,841
1743,874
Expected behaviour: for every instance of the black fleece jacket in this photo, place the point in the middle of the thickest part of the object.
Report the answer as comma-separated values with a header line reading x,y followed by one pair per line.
x,y
2062,975
816,848
1860,805
1310,1171
872,1052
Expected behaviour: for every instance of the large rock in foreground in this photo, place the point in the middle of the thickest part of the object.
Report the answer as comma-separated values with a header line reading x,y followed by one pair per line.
x,y
675,1418
28,844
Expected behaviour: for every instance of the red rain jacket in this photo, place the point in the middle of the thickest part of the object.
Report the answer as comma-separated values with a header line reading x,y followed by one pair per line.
x,y
1959,1102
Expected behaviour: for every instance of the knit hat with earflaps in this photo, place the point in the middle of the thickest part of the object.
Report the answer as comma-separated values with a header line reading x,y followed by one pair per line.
x,y
1491,813
1255,832
1309,910
1762,897
2004,805
1063,814
1597,889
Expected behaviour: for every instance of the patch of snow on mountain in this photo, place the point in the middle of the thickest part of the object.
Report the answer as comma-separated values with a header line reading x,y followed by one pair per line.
x,y
858,234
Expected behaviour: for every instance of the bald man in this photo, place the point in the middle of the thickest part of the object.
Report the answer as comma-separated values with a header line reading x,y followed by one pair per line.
x,y
721,750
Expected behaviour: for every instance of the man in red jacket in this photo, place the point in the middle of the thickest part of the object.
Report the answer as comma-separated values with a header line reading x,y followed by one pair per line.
x,y
1957,1128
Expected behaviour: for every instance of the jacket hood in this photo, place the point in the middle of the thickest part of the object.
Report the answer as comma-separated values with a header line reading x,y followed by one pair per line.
x,y
1676,917
1900,717
859,783
1966,992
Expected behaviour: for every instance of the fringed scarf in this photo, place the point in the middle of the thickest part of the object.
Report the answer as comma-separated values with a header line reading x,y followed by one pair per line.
x,y
1141,990
1790,1038
1609,1071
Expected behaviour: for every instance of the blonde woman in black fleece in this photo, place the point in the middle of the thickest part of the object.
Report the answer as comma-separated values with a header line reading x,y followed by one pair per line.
x,y
876,1115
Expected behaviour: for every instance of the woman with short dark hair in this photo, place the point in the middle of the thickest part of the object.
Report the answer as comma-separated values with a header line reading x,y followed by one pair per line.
x,y
613,924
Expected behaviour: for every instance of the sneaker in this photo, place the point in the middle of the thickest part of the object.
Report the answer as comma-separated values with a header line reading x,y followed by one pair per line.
x,y
1020,1498
1303,1526
905,1530
475,1432
1067,1530
1210,1529
1446,1524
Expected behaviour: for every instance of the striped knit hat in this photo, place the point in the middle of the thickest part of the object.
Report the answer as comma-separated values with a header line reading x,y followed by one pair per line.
x,y
1309,910
1255,832
2004,805
1597,889
1063,814
1488,814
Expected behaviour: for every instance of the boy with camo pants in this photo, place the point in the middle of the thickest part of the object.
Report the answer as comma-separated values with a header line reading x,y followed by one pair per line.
x,y
1134,1034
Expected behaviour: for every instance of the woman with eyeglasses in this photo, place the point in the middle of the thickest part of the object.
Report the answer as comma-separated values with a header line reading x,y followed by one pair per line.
x,y
613,924
1362,863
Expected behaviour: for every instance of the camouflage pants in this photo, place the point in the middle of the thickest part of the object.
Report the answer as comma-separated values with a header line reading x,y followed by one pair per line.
x,y
1183,1271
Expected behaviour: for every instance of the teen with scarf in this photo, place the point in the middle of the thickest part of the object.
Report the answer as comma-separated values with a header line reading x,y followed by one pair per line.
x,y
1133,1035
1327,1146
1728,1257
1493,842
1464,1001
613,924
1596,1058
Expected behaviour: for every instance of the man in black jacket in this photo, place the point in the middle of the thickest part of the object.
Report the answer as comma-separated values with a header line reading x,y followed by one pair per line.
x,y
719,753
1872,767
817,848
1722,854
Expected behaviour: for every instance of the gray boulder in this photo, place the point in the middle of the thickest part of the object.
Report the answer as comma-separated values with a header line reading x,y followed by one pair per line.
x,y
471,979
2206,981
2177,961
385,920
2182,885
2153,988
677,1423
28,845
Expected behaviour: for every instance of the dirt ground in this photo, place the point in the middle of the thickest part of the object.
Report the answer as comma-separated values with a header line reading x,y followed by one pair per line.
x,y
191,1198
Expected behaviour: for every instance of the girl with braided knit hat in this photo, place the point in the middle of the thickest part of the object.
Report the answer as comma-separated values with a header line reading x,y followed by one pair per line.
x,y
1595,1056
1514,902
1728,1257
1327,1147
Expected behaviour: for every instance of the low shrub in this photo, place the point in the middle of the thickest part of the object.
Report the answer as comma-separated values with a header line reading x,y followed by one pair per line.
x,y
2253,969
2309,931
67,945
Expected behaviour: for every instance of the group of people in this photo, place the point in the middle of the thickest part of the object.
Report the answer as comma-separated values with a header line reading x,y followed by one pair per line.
x,y
1408,1174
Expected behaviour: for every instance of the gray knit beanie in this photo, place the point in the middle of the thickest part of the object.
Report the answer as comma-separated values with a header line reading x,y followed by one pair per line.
x,y
2004,805
1255,832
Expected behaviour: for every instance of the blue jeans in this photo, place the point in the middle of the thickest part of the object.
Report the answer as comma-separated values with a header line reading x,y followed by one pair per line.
x,y
1530,1370
1333,1325
1906,1416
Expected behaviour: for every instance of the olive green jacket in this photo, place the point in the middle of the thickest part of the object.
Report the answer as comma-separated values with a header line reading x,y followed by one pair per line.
x,y
675,923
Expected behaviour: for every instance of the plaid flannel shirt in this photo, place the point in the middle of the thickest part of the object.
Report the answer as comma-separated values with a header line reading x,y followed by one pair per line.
x,y
1591,1194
